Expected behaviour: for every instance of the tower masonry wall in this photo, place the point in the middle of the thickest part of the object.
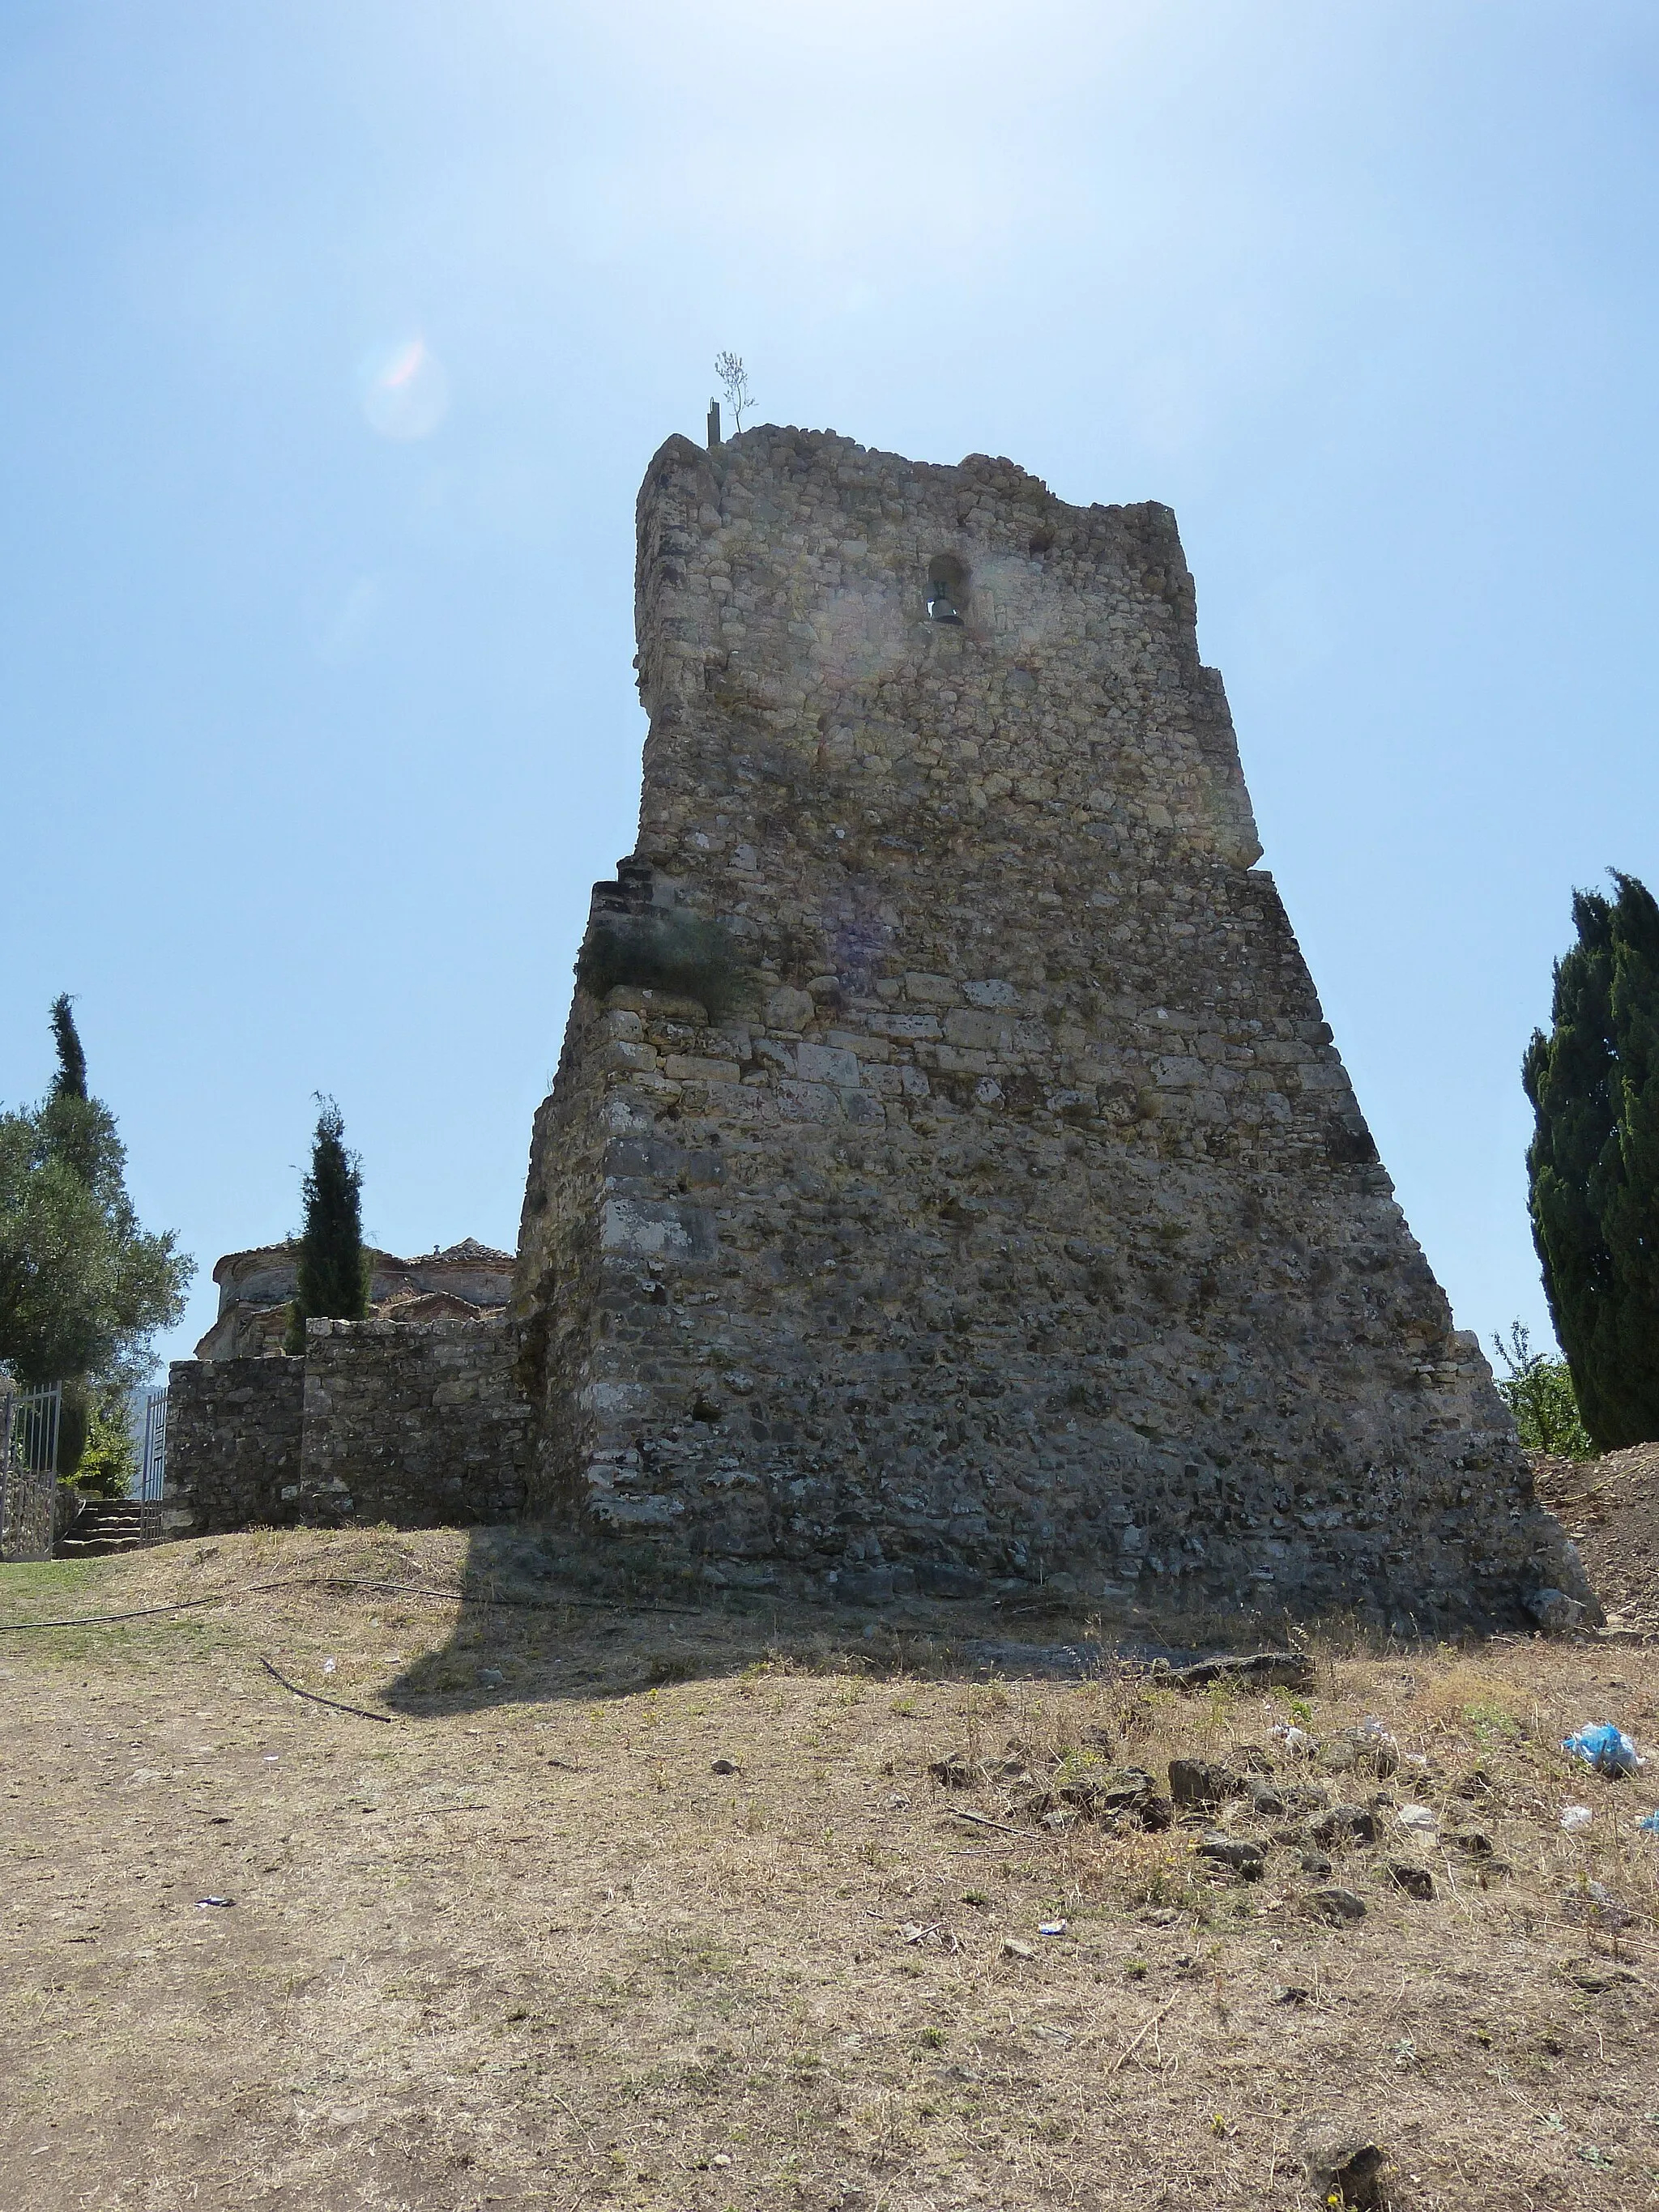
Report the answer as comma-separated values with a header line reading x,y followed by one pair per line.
x,y
1010,1219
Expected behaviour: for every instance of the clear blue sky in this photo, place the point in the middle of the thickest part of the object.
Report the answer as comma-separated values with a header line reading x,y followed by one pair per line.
x,y
337,335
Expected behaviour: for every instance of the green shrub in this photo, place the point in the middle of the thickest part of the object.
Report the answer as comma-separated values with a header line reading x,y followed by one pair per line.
x,y
74,1428
1539,1392
82,1288
109,1458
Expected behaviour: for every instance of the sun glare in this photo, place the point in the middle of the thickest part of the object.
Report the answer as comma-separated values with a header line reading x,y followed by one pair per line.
x,y
406,392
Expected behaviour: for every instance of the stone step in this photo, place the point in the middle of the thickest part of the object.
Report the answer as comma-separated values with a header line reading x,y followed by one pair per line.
x,y
103,1526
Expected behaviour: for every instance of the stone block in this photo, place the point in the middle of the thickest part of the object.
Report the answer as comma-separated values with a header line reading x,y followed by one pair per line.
x,y
908,1029
681,1068
628,1058
808,1101
987,1032
657,1229
822,1063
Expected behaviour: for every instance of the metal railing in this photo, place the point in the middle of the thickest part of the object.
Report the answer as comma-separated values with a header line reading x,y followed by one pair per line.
x,y
29,1422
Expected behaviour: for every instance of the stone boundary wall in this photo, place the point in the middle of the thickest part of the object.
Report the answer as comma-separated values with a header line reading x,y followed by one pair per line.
x,y
234,1436
419,1424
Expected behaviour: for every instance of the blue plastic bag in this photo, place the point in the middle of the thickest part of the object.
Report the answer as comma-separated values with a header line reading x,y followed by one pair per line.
x,y
1650,1823
1603,1747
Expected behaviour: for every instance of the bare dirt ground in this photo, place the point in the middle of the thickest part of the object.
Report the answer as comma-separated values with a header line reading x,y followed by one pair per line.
x,y
1610,1508
665,1909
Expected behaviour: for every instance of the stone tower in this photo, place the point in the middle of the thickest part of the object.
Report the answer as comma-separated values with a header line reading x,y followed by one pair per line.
x,y
998,1210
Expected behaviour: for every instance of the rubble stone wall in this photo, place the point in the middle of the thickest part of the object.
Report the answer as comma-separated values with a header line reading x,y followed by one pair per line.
x,y
1021,1225
233,1442
419,1424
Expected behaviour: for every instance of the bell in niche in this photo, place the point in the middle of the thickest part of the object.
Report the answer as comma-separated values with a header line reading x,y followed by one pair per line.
x,y
941,607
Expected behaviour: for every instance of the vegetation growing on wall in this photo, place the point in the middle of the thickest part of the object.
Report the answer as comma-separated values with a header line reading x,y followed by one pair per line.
x,y
683,953
1594,1161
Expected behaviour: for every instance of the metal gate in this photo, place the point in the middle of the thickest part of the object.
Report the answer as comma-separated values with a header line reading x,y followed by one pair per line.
x,y
29,1470
153,1467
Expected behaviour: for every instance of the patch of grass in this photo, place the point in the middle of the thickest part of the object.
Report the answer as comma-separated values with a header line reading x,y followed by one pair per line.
x,y
28,1589
679,1956
1468,1699
1490,1721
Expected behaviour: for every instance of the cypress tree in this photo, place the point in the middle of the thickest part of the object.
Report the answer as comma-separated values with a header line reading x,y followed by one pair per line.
x,y
74,1122
333,1265
71,1081
1594,1161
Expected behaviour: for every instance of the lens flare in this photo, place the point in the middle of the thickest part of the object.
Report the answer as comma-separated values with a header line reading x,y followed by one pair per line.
x,y
404,391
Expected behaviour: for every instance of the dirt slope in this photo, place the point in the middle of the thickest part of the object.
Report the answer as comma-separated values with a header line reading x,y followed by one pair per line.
x,y
1610,1508
669,1912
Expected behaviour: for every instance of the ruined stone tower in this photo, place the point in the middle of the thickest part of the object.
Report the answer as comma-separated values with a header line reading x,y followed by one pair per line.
x,y
999,1210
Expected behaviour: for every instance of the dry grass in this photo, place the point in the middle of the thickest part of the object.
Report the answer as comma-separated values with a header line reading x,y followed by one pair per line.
x,y
523,1946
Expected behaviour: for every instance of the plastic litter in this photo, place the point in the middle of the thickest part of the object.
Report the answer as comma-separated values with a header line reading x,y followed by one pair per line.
x,y
1292,1738
1649,1824
1574,1818
330,1665
1603,1747
227,1902
1418,1819
1054,1927
1371,1730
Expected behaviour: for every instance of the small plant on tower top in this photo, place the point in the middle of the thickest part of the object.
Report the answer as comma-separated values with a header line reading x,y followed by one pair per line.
x,y
734,380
